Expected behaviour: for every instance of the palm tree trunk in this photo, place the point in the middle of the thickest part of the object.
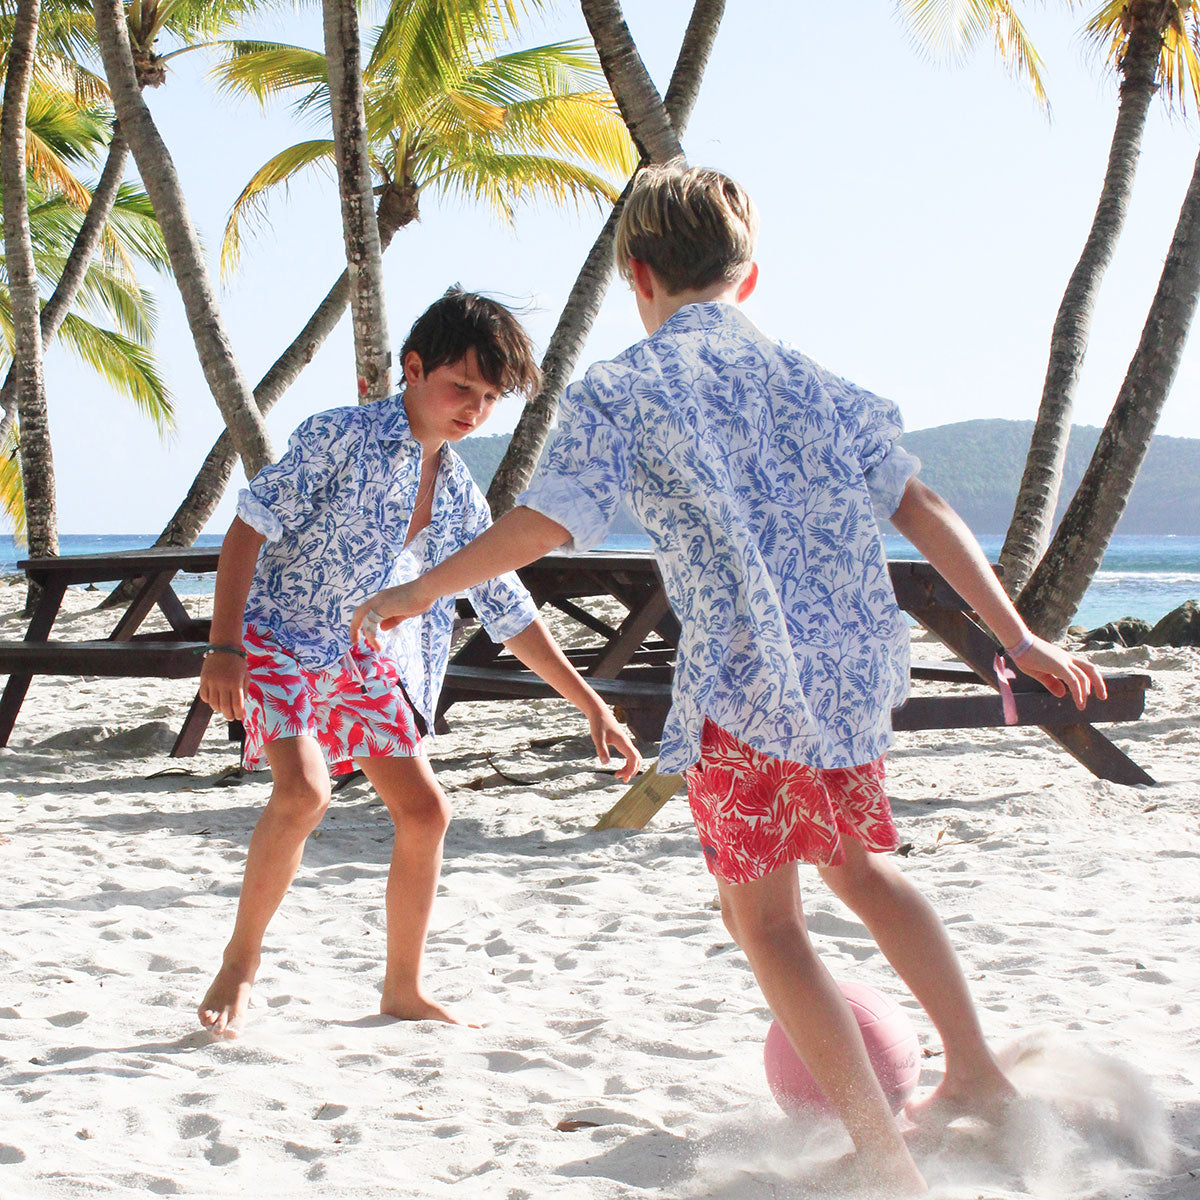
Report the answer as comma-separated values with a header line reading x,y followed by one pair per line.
x,y
372,353
634,91
397,208
225,380
1071,562
37,462
82,250
1037,496
579,314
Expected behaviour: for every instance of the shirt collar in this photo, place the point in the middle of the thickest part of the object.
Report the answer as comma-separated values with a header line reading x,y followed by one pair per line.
x,y
392,418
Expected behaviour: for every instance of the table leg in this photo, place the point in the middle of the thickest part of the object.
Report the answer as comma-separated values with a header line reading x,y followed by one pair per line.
x,y
192,731
1082,740
149,594
54,589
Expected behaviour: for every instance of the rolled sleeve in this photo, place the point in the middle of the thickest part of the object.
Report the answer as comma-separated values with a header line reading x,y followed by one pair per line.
x,y
260,518
504,606
280,497
584,472
874,426
887,480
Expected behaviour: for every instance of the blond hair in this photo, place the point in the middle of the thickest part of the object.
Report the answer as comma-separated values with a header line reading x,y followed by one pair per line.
x,y
692,227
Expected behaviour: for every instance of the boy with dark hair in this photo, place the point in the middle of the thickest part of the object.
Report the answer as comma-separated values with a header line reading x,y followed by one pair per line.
x,y
760,478
365,496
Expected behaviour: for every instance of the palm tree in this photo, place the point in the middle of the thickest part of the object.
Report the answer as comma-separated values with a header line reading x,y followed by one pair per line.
x,y
1151,44
447,114
112,322
364,255
1073,557
225,380
660,129
37,463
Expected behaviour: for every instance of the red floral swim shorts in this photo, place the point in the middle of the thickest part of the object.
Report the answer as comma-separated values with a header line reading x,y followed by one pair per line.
x,y
355,707
756,813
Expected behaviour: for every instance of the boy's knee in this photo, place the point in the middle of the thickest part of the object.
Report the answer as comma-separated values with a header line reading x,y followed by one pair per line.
x,y
428,811
301,800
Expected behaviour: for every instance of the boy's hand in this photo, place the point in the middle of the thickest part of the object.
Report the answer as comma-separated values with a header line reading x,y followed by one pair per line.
x,y
1059,672
223,684
606,732
385,610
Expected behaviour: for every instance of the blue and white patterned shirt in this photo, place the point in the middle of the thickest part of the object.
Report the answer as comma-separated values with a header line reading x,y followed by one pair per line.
x,y
758,477
335,510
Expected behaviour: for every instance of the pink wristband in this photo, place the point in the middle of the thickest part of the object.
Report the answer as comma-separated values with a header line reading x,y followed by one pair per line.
x,y
1026,643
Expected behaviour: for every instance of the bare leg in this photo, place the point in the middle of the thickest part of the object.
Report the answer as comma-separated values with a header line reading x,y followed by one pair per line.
x,y
913,939
766,919
299,798
420,812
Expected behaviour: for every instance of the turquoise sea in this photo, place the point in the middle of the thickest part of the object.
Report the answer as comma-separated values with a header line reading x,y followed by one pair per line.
x,y
1140,577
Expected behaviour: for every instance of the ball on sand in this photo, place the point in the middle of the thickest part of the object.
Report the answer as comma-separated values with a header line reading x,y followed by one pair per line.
x,y
891,1043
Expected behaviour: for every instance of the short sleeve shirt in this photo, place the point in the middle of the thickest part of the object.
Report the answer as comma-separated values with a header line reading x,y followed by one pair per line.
x,y
335,511
758,477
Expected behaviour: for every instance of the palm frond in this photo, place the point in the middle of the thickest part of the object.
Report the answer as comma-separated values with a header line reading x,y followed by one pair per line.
x,y
126,366
12,492
502,181
280,169
950,30
265,70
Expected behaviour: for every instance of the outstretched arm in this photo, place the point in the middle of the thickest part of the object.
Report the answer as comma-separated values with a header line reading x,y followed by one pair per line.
x,y
942,536
520,537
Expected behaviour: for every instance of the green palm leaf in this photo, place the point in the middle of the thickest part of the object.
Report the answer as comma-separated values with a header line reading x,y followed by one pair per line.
x,y
124,364
280,169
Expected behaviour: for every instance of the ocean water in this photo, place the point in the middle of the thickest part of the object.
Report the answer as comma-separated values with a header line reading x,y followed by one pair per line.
x,y
1140,576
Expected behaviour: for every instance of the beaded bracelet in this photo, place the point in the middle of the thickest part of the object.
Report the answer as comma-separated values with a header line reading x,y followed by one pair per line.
x,y
213,649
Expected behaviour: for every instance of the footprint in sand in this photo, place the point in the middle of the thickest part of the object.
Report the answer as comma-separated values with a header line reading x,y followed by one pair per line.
x,y
67,1019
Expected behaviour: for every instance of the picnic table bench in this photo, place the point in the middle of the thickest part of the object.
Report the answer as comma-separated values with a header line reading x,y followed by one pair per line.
x,y
125,653
629,661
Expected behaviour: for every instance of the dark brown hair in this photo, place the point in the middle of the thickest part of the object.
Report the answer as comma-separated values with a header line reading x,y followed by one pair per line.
x,y
692,227
462,321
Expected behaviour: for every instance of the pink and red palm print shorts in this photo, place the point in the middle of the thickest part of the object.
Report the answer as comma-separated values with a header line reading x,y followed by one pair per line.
x,y
756,813
355,708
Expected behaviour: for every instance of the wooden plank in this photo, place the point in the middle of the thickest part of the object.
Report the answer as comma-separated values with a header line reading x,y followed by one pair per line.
x,y
638,805
166,660
1033,708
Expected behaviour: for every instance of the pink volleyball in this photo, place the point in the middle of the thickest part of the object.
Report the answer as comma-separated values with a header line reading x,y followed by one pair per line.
x,y
891,1043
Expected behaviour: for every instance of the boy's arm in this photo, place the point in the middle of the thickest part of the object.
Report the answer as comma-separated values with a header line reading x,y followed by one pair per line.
x,y
541,654
223,675
942,536
520,537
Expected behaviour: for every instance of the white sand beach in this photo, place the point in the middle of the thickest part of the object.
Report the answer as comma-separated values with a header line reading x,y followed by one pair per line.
x,y
620,1053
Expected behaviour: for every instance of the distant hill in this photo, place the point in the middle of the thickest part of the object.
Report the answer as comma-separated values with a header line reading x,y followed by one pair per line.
x,y
977,466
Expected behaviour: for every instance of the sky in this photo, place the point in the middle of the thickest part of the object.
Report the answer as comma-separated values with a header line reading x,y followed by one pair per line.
x,y
919,222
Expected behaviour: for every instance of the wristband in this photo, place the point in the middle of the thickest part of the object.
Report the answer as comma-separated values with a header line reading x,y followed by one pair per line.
x,y
1026,643
213,649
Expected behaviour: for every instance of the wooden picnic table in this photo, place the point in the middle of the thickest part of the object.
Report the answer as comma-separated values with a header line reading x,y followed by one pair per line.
x,y
177,654
629,660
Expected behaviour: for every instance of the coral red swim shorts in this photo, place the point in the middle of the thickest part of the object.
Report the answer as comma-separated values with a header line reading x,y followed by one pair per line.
x,y
756,813
355,707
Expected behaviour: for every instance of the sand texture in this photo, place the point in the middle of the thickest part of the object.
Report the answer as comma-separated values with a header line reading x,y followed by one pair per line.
x,y
620,1053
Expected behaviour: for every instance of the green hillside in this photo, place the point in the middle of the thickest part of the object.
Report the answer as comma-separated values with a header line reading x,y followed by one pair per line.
x,y
977,466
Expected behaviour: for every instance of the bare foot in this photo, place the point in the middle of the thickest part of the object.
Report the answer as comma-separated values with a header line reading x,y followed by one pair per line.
x,y
415,1008
990,1099
858,1174
223,1008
